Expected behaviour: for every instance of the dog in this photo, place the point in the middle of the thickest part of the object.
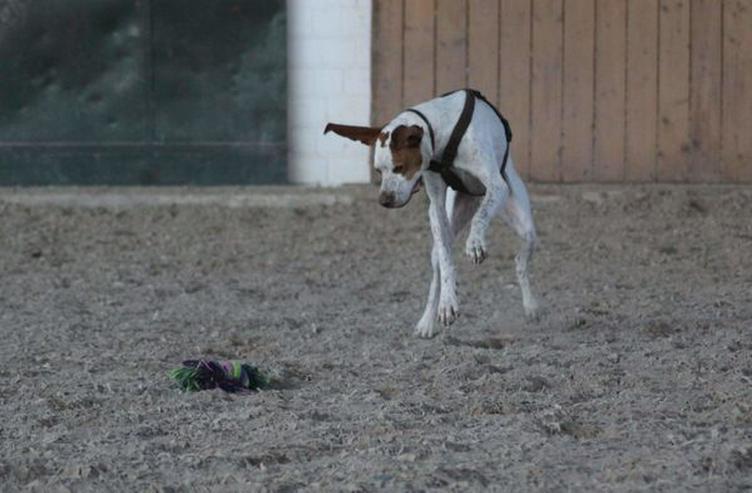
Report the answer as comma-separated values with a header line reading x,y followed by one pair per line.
x,y
483,182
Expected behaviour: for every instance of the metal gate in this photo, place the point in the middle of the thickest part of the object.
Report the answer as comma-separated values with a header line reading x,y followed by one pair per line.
x,y
154,92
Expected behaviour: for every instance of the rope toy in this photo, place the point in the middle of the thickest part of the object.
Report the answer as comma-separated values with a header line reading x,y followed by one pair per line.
x,y
230,376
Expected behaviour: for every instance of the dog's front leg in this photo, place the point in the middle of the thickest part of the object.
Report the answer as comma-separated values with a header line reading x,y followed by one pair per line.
x,y
426,326
448,309
496,196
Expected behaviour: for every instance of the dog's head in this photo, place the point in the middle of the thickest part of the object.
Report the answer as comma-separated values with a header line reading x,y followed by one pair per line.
x,y
398,157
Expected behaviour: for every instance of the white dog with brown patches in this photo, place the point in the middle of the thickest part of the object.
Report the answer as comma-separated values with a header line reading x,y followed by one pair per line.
x,y
455,142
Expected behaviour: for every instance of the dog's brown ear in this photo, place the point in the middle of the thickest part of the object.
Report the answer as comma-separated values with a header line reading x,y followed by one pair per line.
x,y
406,137
366,135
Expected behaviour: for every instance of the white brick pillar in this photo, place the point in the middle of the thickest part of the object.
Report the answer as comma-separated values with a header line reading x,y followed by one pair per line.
x,y
329,79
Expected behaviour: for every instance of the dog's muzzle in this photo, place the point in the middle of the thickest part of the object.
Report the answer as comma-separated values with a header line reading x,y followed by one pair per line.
x,y
387,199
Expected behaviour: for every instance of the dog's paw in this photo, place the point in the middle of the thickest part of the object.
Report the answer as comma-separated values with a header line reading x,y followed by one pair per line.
x,y
475,249
426,328
448,311
532,311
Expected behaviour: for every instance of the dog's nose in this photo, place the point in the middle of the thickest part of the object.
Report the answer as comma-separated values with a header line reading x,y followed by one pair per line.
x,y
386,199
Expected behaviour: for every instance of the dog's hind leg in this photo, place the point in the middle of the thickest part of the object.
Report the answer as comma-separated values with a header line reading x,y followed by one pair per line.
x,y
519,216
460,209
495,198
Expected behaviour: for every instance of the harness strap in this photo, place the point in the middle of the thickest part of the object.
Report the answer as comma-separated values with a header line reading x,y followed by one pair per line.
x,y
428,124
444,164
450,151
447,175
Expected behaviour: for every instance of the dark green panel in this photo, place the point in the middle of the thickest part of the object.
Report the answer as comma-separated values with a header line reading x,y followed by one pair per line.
x,y
131,165
219,70
73,70
142,92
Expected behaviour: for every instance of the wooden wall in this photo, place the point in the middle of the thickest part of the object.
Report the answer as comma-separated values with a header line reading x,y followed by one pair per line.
x,y
595,90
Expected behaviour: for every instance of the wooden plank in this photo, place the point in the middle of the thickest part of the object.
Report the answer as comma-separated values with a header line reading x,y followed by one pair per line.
x,y
546,90
705,91
387,60
386,56
451,45
514,78
419,51
673,91
483,47
737,91
577,112
642,90
610,90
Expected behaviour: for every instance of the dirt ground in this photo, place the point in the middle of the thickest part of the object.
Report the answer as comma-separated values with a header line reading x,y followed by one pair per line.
x,y
638,376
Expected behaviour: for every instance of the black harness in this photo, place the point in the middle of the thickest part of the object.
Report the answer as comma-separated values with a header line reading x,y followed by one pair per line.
x,y
445,163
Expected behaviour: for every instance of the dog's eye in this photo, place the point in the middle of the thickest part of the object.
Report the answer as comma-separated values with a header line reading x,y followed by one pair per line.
x,y
398,168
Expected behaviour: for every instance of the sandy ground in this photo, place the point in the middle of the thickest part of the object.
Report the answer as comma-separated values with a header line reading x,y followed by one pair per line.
x,y
638,377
